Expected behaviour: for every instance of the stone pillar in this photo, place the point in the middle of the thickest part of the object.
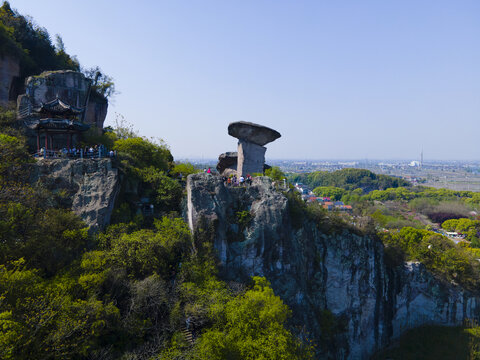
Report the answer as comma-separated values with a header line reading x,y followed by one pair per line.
x,y
251,158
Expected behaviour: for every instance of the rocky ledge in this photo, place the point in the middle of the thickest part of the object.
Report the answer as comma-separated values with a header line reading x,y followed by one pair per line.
x,y
91,185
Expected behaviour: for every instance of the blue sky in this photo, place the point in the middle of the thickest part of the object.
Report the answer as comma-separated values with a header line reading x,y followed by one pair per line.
x,y
338,79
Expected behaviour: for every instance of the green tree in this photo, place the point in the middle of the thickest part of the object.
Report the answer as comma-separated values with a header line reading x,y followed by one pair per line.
x,y
145,252
253,329
185,169
275,173
332,192
140,153
14,156
168,191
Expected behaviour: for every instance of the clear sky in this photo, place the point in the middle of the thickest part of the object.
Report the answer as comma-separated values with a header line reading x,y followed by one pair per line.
x,y
338,79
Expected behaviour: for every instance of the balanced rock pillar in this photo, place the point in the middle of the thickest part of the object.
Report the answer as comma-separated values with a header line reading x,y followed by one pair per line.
x,y
251,158
251,149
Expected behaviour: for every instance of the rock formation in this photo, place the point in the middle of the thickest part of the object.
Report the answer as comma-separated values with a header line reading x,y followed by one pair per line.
x,y
254,133
250,157
323,272
9,74
97,108
227,163
91,184
70,86
66,97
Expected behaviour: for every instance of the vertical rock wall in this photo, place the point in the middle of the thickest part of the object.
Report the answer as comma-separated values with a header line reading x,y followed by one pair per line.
x,y
96,111
321,272
9,72
251,158
91,184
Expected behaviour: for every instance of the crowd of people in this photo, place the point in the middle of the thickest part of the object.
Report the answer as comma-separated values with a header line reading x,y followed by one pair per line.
x,y
96,151
233,180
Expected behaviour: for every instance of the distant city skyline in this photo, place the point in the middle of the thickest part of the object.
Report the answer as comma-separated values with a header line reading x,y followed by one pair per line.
x,y
339,80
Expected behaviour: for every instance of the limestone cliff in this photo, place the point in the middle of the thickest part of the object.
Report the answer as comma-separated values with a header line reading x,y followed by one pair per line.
x,y
336,282
9,73
91,184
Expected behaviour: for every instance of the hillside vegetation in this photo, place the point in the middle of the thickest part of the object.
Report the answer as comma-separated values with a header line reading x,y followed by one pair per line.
x,y
145,288
22,38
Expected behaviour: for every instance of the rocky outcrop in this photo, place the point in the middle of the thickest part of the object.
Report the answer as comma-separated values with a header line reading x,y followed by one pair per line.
x,y
9,73
91,185
335,280
70,86
250,157
96,113
227,163
254,133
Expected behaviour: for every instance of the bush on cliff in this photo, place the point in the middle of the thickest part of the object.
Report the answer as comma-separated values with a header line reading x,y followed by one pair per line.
x,y
439,254
140,153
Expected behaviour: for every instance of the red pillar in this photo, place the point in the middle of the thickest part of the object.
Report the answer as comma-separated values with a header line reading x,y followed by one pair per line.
x,y
46,143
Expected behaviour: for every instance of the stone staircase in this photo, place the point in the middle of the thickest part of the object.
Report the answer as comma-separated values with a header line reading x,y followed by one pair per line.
x,y
188,335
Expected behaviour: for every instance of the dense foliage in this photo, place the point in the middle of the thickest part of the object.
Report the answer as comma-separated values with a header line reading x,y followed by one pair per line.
x,y
436,252
22,37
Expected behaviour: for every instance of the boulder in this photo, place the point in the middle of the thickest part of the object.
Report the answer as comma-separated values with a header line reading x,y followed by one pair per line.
x,y
254,133
227,162
70,86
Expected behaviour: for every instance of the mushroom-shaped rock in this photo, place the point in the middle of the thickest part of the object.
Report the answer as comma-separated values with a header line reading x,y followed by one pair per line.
x,y
254,133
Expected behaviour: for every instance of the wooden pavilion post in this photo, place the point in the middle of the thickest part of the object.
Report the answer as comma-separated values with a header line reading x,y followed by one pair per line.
x,y
46,143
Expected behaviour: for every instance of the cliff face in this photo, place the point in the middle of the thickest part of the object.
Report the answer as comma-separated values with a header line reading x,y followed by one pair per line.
x,y
9,73
91,184
336,282
96,111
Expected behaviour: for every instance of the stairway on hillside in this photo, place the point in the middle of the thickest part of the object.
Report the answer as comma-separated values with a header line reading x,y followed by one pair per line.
x,y
188,335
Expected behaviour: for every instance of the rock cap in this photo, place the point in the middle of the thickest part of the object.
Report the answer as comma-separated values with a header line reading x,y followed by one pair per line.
x,y
254,133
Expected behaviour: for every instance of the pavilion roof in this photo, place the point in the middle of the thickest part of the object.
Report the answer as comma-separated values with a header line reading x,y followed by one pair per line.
x,y
57,106
57,124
